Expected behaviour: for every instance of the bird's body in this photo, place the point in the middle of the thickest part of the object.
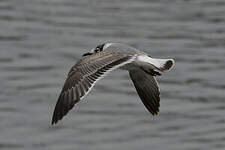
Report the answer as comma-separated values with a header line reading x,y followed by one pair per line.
x,y
103,59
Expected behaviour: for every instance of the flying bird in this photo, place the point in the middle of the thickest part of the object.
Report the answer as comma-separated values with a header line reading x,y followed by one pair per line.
x,y
103,59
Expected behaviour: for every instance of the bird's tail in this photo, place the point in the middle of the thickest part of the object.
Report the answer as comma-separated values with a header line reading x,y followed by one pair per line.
x,y
154,63
162,64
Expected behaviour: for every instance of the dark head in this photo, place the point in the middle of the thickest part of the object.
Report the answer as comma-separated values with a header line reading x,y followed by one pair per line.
x,y
97,49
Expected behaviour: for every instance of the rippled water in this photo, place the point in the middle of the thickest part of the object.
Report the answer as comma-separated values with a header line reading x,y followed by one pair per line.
x,y
41,39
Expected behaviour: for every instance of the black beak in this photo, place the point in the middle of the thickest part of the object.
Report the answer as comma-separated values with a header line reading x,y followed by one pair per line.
x,y
86,54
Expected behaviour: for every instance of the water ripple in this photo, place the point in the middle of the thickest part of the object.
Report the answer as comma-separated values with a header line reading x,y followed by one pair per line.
x,y
41,40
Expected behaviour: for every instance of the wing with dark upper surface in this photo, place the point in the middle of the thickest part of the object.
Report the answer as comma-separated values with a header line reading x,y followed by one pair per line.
x,y
147,89
83,76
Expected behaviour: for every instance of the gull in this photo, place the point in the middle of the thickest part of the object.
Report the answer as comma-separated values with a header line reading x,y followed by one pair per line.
x,y
103,59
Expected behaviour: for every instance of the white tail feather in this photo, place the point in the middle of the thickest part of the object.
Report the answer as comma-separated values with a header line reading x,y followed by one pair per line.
x,y
163,64
159,64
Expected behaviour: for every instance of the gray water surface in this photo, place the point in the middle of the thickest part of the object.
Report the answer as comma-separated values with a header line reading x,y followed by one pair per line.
x,y
41,39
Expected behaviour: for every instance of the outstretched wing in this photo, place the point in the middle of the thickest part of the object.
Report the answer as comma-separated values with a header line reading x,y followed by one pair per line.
x,y
147,89
83,76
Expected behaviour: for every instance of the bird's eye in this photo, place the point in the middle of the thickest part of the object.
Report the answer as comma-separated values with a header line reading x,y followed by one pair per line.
x,y
99,48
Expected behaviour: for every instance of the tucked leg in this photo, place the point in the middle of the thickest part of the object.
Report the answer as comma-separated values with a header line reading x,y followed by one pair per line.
x,y
151,72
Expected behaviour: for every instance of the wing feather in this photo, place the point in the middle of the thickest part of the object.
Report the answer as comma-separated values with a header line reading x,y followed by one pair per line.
x,y
147,89
83,76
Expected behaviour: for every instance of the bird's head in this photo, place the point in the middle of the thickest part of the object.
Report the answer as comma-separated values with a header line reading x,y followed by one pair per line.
x,y
97,49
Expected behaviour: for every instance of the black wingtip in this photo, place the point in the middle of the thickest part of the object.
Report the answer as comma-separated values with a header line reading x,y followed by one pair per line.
x,y
54,118
156,112
53,122
153,111
61,108
58,114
